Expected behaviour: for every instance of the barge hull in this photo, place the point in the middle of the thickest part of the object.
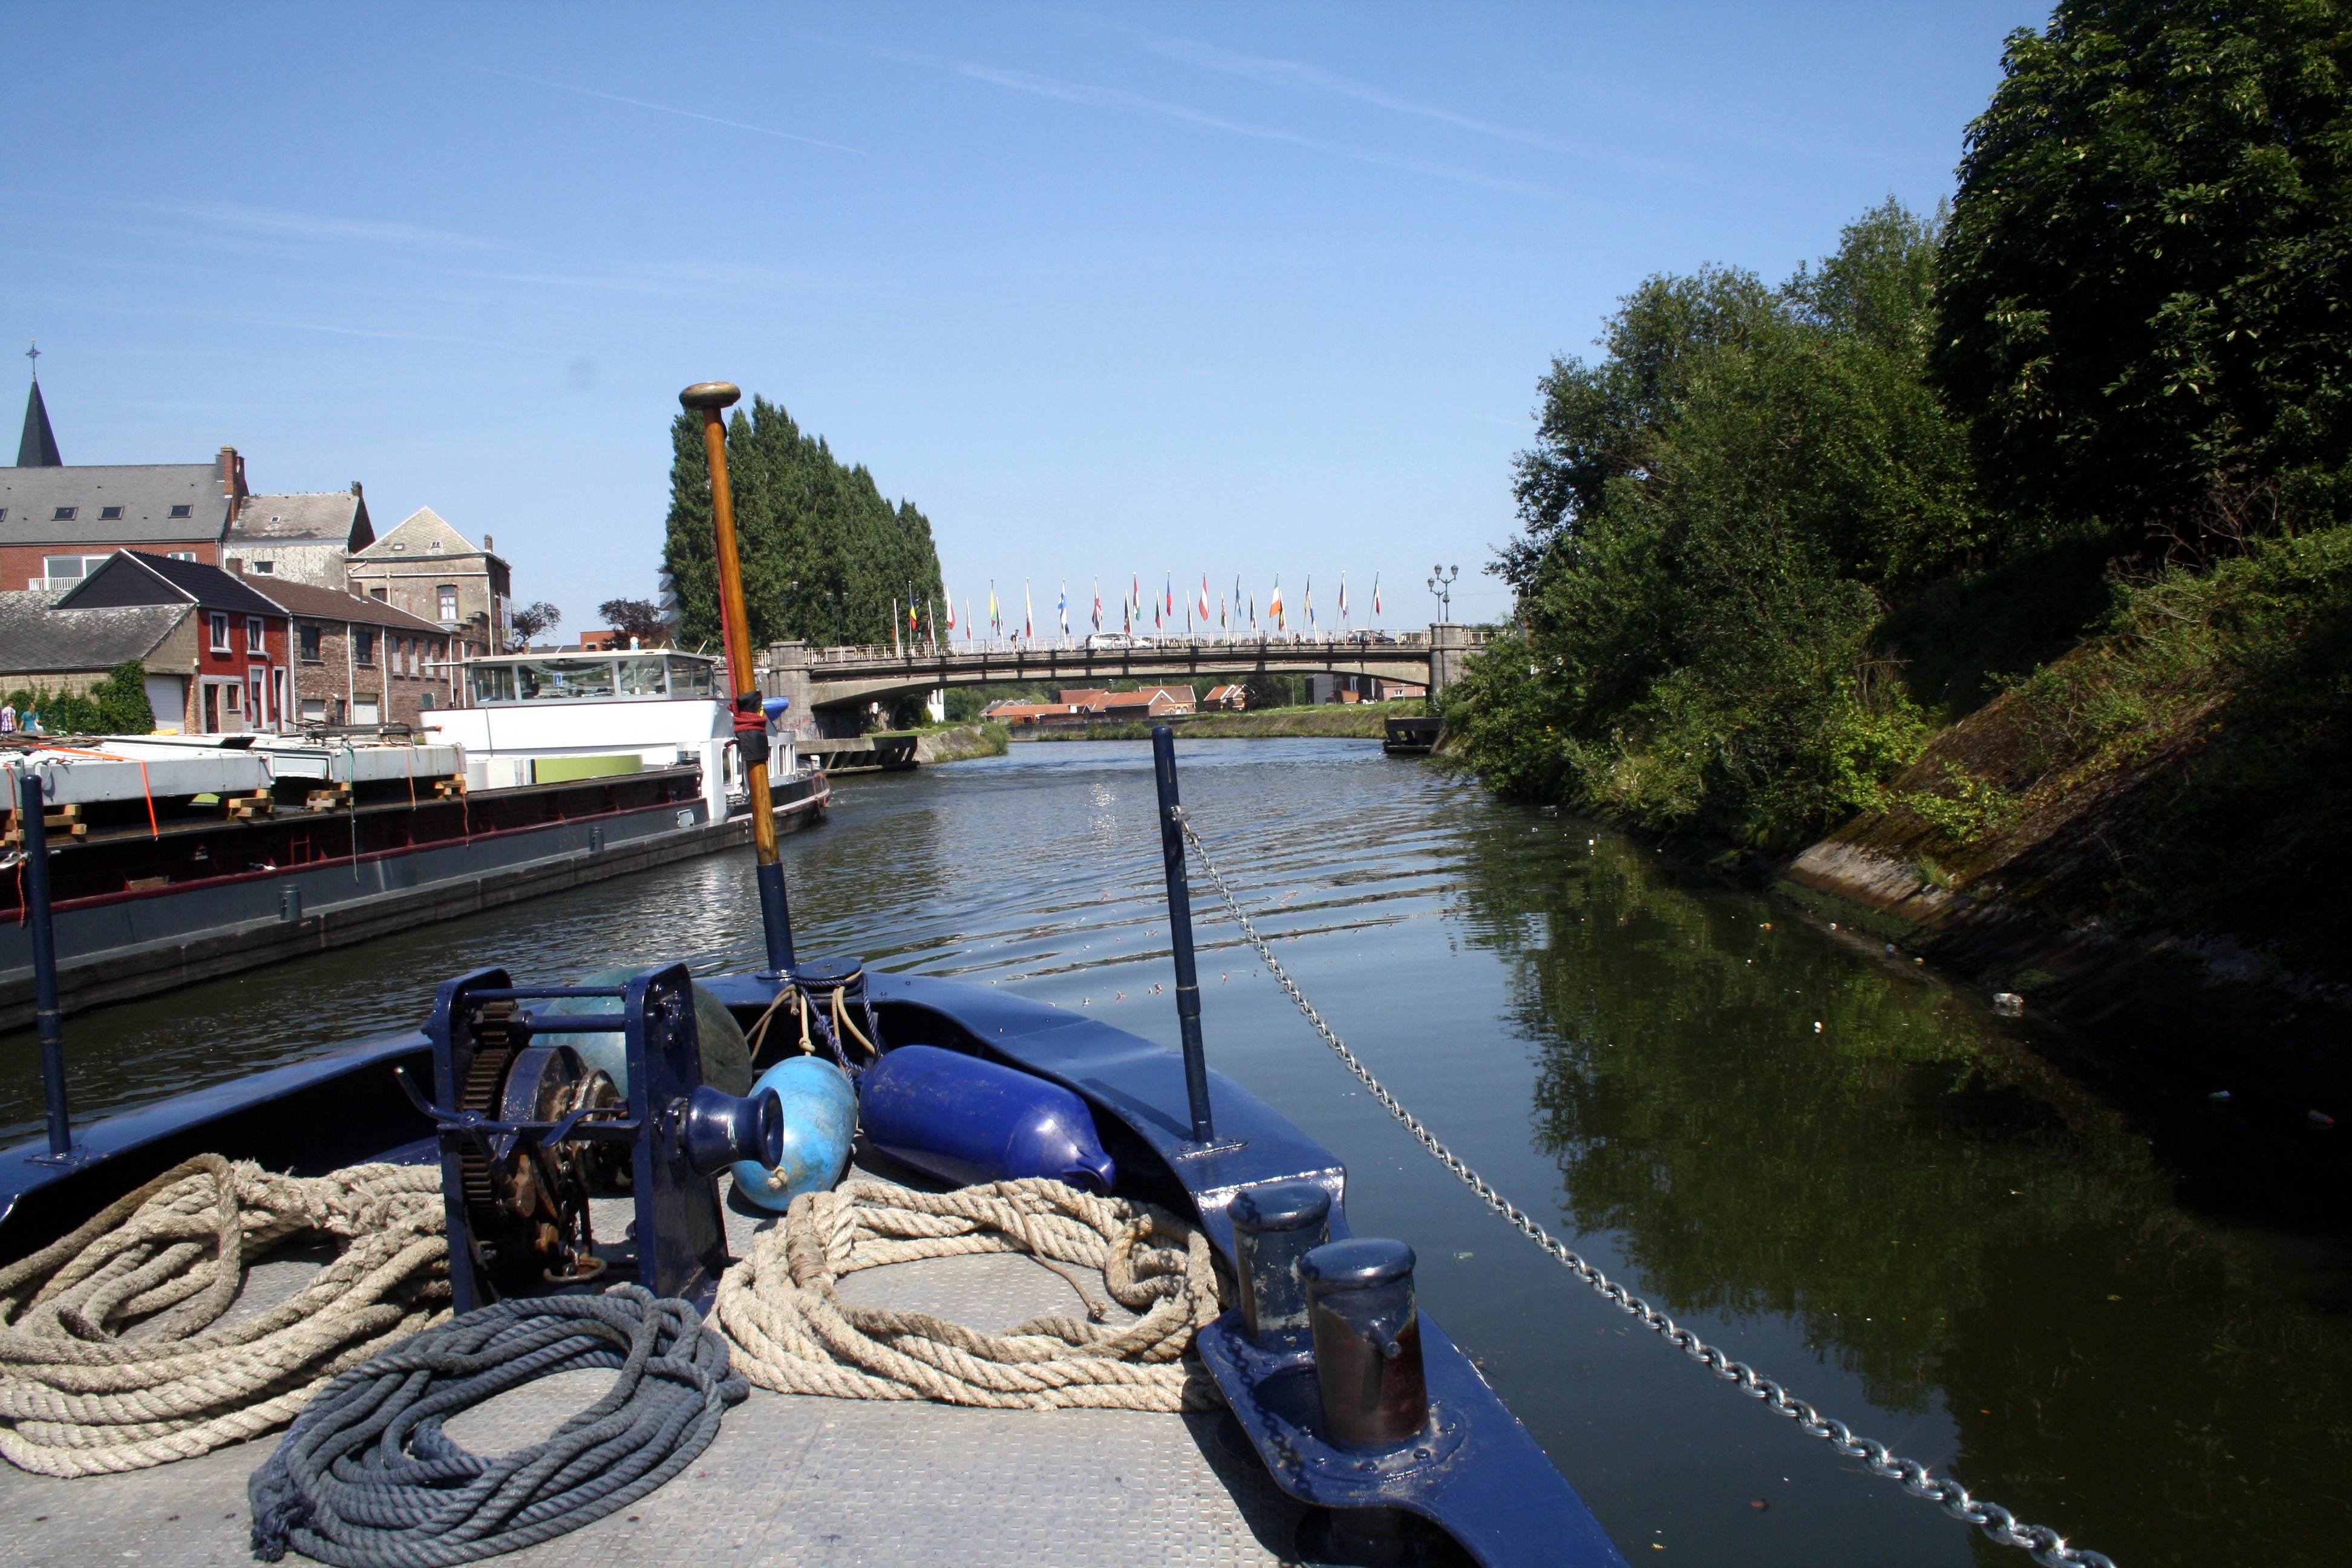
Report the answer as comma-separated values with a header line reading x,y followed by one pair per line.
x,y
266,917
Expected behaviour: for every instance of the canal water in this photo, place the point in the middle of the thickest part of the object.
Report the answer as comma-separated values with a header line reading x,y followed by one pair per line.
x,y
1818,1156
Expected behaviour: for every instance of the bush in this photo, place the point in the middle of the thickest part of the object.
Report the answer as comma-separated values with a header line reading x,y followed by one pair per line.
x,y
115,706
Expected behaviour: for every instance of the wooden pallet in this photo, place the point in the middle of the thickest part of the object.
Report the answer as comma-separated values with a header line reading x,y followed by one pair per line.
x,y
249,807
65,822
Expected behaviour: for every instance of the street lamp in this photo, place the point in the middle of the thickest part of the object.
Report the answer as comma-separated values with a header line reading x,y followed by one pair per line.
x,y
1441,584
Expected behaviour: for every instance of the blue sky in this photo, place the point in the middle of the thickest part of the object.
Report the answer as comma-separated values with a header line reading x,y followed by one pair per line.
x,y
1240,289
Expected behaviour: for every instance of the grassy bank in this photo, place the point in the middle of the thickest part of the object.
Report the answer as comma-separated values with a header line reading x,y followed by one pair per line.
x,y
1362,720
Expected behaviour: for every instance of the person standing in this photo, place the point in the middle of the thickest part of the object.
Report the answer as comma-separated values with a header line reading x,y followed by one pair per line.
x,y
8,718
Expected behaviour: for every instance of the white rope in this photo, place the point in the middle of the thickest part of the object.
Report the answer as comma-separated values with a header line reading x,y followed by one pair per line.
x,y
80,1396
793,1333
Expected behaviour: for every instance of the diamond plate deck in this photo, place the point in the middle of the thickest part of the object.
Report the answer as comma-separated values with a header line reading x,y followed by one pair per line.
x,y
790,1479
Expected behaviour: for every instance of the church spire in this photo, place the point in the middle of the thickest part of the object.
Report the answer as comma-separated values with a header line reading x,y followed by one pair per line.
x,y
38,447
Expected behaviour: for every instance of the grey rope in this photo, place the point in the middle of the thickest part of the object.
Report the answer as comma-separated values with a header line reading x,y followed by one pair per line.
x,y
2047,1546
367,1478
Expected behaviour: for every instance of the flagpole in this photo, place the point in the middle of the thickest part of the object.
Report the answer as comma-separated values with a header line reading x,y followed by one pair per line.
x,y
709,398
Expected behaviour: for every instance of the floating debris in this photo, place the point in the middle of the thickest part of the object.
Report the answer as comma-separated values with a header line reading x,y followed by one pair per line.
x,y
2008,1003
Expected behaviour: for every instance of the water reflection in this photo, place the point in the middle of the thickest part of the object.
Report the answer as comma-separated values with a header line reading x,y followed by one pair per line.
x,y
1773,1123
1904,1213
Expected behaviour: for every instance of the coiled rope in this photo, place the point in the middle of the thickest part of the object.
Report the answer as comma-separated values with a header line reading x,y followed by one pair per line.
x,y
367,1478
1997,1523
793,1332
80,1397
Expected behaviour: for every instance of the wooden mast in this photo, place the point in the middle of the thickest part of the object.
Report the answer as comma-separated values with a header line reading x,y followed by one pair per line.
x,y
710,399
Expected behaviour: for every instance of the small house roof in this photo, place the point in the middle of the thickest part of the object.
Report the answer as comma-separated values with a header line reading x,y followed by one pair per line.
x,y
31,498
130,577
38,639
423,533
337,517
314,603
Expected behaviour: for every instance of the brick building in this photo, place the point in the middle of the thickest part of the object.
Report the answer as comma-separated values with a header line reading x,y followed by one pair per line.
x,y
221,666
432,572
303,537
359,661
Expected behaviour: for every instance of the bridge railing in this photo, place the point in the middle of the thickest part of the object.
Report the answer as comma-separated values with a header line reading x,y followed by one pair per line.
x,y
954,647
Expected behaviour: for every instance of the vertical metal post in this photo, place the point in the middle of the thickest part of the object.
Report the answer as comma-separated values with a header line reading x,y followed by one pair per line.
x,y
1180,927
710,398
33,813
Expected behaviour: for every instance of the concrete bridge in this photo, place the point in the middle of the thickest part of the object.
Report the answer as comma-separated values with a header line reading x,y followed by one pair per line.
x,y
828,683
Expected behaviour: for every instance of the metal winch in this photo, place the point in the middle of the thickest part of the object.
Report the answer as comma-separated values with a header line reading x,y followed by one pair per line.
x,y
529,1134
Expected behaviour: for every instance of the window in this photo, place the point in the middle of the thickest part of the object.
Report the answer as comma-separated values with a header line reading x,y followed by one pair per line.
x,y
415,646
362,648
220,632
179,555
253,634
312,653
3,514
69,568
381,595
267,568
184,511
314,709
447,593
109,515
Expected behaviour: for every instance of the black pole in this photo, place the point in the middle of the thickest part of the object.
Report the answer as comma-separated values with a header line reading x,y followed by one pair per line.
x,y
775,916
33,814
1179,929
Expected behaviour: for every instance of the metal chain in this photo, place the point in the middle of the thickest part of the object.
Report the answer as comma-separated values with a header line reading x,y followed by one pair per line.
x,y
2047,1546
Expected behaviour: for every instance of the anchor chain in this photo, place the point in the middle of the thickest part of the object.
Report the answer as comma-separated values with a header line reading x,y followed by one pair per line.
x,y
2046,1546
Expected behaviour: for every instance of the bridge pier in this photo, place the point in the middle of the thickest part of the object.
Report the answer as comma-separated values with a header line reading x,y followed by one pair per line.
x,y
1449,647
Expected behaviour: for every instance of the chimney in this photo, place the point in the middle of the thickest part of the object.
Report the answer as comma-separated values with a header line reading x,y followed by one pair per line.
x,y
355,489
231,475
486,545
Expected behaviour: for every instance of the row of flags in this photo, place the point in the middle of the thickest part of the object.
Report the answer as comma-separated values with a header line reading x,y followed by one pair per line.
x,y
1231,615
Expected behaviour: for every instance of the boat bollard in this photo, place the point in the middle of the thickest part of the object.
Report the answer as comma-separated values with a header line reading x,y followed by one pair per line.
x,y
1275,1225
1367,1331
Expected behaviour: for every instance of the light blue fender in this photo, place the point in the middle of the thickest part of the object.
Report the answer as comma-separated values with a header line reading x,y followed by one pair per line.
x,y
820,1120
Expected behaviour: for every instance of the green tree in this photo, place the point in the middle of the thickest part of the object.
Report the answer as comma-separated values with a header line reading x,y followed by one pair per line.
x,y
2145,281
1716,517
824,554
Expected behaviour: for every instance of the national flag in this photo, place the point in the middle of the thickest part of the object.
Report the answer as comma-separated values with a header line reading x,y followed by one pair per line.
x,y
898,650
1308,600
1376,596
1252,611
1127,617
1064,607
1135,596
1221,612
1155,615
1274,604
1028,612
950,599
1343,598
1097,603
1204,598
1168,592
967,624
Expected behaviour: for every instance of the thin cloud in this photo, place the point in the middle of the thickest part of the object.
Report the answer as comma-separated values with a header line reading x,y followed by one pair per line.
x,y
1118,98
317,226
668,109
1297,75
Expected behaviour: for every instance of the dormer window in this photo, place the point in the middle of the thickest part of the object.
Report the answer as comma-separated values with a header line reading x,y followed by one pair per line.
x,y
109,515
64,514
396,544
184,511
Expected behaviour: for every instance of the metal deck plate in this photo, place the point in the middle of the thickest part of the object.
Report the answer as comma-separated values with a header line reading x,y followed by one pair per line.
x,y
790,1479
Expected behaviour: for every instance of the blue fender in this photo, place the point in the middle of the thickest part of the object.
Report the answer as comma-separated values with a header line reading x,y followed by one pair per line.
x,y
820,1120
967,1120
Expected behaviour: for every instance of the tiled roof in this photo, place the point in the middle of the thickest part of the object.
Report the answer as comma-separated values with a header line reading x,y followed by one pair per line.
x,y
331,604
329,516
130,577
31,498
37,639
